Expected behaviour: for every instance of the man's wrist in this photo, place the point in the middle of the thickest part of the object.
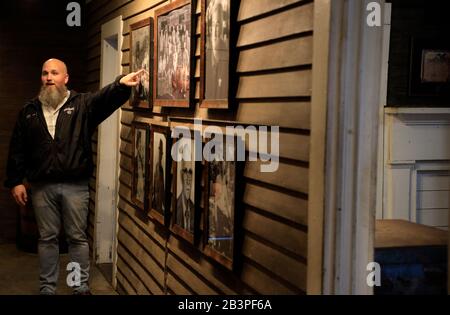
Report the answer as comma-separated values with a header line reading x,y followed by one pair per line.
x,y
119,80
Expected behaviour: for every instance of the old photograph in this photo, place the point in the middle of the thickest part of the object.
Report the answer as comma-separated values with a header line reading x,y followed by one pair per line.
x,y
185,187
221,194
160,172
140,58
217,49
435,66
140,145
173,54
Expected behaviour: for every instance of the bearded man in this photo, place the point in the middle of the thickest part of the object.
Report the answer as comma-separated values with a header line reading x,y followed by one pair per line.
x,y
51,149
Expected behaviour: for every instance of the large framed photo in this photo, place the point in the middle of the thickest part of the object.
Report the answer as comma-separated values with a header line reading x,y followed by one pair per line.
x,y
185,187
141,57
139,187
160,173
173,54
220,201
430,68
215,57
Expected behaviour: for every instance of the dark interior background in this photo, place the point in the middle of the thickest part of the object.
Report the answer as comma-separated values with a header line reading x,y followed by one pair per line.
x,y
31,31
420,19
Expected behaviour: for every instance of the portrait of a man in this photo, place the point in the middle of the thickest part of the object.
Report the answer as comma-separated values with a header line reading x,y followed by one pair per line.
x,y
159,173
185,207
139,162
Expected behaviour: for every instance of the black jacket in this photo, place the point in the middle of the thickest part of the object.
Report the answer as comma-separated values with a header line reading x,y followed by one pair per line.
x,y
36,156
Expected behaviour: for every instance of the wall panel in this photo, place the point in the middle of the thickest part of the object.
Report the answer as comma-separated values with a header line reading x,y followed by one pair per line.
x,y
274,89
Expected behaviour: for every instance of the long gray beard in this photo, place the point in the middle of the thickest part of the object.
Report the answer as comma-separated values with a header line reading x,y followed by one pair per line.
x,y
52,97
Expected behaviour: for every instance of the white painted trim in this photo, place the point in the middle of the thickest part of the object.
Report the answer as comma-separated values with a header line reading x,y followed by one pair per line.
x,y
332,150
353,104
112,28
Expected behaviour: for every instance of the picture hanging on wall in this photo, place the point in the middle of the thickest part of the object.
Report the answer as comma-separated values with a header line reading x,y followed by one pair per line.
x,y
141,57
173,54
215,55
220,200
430,68
139,187
185,188
160,173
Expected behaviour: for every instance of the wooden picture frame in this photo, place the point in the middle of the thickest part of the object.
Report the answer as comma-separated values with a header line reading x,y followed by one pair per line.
x,y
220,220
160,171
216,56
430,68
186,174
140,149
141,57
173,54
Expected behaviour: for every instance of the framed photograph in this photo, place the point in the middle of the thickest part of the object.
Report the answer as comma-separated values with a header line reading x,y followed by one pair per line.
x,y
430,68
185,188
139,188
220,201
160,173
173,54
141,57
215,56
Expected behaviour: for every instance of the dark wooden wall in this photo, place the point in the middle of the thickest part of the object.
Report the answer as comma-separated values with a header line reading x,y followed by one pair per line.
x,y
30,33
275,78
418,19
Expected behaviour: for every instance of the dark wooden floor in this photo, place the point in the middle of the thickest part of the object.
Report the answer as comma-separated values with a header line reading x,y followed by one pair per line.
x,y
19,274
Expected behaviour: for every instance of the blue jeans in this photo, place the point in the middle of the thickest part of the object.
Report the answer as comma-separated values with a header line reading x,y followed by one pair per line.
x,y
69,202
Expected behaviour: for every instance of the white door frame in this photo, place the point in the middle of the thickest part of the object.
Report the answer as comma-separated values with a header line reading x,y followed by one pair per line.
x,y
354,89
106,213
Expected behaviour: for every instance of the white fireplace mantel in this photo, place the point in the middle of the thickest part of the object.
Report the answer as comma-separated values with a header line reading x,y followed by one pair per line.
x,y
416,143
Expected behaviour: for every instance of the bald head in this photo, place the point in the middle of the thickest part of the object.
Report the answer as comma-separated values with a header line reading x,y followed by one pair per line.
x,y
55,63
54,73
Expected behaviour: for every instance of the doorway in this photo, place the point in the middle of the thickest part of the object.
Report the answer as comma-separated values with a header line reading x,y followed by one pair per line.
x,y
106,215
378,196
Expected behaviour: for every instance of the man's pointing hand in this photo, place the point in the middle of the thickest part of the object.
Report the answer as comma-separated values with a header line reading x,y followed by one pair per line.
x,y
132,79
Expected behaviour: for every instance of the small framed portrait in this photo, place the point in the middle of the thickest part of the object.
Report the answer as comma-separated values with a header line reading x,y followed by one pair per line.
x,y
216,59
430,68
185,187
173,54
139,187
160,173
222,170
141,57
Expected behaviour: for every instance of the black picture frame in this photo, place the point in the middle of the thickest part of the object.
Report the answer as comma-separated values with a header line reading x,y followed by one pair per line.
x,y
183,225
140,166
160,171
141,57
174,54
430,68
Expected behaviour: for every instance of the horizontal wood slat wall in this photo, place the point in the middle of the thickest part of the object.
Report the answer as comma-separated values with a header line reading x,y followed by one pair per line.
x,y
275,77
